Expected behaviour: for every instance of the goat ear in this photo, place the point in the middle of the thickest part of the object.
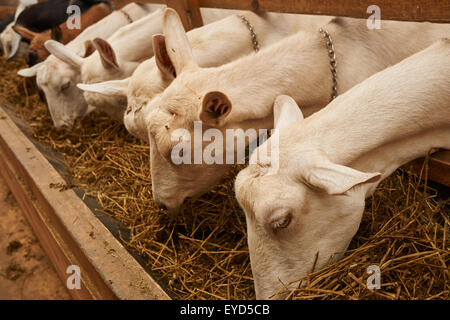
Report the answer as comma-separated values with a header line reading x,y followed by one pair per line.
x,y
113,87
215,108
56,34
336,179
30,72
21,7
107,54
177,43
15,44
285,112
63,53
89,48
162,59
24,32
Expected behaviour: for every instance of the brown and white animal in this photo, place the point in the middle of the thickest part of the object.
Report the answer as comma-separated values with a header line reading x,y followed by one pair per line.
x,y
312,202
58,79
62,34
39,17
45,15
212,45
241,94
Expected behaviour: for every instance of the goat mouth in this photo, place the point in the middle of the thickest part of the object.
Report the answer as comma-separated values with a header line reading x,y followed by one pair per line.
x,y
173,213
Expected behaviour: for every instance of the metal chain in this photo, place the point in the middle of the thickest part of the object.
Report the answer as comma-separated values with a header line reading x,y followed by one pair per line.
x,y
332,55
126,16
252,32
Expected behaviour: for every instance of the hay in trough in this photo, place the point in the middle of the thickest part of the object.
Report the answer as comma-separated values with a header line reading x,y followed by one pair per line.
x,y
203,254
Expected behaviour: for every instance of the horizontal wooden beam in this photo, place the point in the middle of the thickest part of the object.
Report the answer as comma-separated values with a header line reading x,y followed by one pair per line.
x,y
6,11
403,10
12,3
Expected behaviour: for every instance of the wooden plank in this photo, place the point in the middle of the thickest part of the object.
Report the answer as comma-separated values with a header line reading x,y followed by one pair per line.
x,y
403,10
194,13
439,167
118,4
68,231
45,235
189,12
407,10
6,11
12,3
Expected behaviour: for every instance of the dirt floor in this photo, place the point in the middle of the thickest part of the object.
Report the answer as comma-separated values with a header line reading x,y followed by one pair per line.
x,y
25,270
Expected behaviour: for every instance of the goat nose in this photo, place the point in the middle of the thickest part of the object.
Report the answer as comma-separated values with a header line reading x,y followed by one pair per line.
x,y
160,205
62,127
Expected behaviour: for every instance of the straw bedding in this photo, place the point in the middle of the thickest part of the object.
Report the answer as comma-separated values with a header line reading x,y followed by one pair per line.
x,y
203,254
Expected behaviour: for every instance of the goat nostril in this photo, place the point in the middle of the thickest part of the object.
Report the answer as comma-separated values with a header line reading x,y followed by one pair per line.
x,y
62,128
42,96
161,205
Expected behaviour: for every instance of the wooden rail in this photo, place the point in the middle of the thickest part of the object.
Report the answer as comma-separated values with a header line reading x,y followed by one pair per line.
x,y
403,10
12,3
6,11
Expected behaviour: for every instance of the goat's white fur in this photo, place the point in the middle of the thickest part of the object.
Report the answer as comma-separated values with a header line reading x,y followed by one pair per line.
x,y
330,162
54,74
297,66
212,45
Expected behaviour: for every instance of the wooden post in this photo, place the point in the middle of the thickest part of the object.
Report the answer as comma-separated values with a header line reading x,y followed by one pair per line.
x,y
189,12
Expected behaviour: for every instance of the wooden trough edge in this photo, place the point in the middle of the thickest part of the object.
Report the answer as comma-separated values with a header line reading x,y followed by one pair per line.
x,y
438,167
66,228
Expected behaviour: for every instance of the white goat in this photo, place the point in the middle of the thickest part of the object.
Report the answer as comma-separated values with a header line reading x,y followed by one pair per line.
x,y
126,49
212,45
114,58
240,94
312,202
58,79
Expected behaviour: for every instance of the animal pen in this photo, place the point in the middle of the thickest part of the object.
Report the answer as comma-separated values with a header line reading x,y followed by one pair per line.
x,y
71,207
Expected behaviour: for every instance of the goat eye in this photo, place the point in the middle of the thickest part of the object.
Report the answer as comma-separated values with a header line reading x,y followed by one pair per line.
x,y
282,223
65,86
